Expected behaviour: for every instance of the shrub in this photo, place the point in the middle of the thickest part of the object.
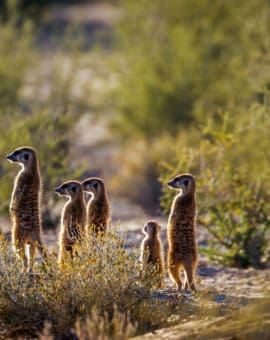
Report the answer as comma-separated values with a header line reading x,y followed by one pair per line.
x,y
103,282
232,186
17,55
185,59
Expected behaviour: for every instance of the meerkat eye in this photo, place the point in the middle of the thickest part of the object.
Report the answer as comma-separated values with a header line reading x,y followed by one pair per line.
x,y
26,156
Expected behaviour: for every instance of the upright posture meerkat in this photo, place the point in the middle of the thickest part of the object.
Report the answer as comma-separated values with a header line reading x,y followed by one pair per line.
x,y
98,209
181,231
73,217
25,206
151,248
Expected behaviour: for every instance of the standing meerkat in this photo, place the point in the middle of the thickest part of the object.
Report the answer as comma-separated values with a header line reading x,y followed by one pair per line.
x,y
182,252
98,209
25,206
73,217
151,247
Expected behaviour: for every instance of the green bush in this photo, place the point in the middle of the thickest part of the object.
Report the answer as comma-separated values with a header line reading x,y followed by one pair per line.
x,y
232,170
17,55
183,60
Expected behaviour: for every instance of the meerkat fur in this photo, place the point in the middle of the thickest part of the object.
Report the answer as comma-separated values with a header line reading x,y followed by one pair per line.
x,y
151,247
182,253
73,218
98,208
25,207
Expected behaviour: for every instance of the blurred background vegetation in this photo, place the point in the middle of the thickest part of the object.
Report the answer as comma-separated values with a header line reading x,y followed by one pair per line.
x,y
175,86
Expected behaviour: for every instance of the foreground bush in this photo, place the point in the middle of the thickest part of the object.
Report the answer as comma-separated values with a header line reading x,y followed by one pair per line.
x,y
101,290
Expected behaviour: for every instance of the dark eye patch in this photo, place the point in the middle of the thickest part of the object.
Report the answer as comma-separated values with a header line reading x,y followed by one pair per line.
x,y
186,182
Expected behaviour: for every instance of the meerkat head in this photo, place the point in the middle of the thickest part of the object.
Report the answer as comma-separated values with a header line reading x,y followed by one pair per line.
x,y
23,155
184,182
93,185
69,189
151,228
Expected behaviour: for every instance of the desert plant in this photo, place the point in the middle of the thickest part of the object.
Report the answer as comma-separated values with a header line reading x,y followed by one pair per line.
x,y
17,55
96,326
179,62
103,283
233,191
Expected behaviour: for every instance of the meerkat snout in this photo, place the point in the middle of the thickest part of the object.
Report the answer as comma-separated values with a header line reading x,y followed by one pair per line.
x,y
181,182
21,155
59,190
67,189
92,185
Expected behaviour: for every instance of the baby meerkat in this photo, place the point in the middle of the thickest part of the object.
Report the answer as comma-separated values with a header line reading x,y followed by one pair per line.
x,y
72,219
98,209
151,247
182,252
25,206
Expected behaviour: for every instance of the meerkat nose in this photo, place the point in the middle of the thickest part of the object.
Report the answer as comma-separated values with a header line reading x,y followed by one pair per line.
x,y
57,190
9,156
170,183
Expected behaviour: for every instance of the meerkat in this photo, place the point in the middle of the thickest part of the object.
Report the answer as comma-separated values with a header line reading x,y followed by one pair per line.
x,y
73,218
151,247
182,253
98,209
25,206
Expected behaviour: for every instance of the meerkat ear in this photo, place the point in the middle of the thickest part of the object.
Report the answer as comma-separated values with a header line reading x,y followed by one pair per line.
x,y
145,228
73,189
95,185
186,182
26,156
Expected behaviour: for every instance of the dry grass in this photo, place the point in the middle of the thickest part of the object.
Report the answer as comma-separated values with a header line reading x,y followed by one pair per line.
x,y
102,290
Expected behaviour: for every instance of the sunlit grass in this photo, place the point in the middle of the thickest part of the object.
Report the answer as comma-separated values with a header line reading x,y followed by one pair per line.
x,y
103,280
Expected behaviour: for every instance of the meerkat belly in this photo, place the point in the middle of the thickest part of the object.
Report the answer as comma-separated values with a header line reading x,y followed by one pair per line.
x,y
27,215
182,242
